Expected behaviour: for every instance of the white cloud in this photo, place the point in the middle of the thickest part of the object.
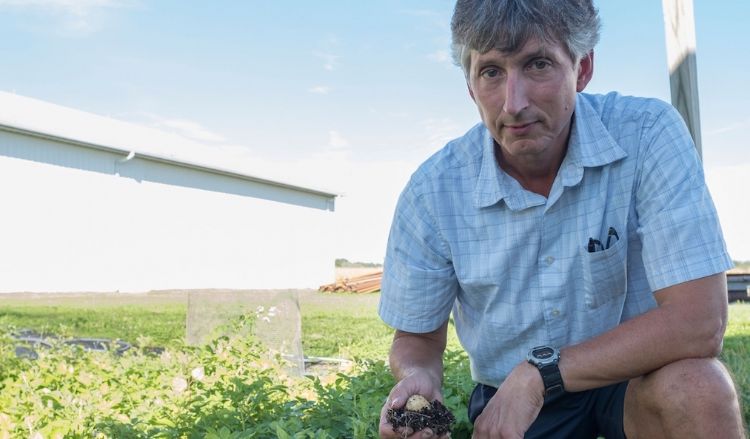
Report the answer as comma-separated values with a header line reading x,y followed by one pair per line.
x,y
320,89
336,140
434,18
331,40
419,12
78,7
729,192
731,127
186,128
438,132
330,61
76,17
403,114
441,56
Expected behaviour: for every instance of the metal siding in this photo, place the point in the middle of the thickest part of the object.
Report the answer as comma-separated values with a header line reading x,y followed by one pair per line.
x,y
106,160
43,151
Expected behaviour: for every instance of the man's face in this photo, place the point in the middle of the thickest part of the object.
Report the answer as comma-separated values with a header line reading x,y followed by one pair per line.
x,y
526,99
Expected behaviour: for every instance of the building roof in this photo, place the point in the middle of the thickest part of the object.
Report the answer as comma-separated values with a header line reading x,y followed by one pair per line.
x,y
41,119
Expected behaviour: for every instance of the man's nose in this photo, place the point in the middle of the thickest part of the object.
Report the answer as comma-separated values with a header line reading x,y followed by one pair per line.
x,y
516,97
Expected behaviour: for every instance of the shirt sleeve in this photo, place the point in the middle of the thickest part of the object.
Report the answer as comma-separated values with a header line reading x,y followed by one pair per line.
x,y
677,221
419,284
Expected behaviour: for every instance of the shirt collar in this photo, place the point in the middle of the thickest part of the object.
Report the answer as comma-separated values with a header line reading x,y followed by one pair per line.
x,y
590,145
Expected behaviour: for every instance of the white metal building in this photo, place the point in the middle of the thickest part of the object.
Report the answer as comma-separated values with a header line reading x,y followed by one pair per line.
x,y
88,203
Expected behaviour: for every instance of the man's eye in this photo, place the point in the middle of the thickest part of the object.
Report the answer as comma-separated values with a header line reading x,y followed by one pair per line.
x,y
490,73
540,64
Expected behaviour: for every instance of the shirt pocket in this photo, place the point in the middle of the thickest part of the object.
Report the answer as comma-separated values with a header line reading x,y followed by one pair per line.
x,y
605,274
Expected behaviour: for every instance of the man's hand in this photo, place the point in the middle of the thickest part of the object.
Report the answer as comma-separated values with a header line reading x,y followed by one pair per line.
x,y
414,384
417,364
514,407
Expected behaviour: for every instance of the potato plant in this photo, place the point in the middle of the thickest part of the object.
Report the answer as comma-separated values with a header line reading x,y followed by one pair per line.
x,y
227,389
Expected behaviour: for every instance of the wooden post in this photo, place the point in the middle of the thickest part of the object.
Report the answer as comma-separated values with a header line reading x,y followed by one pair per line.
x,y
679,26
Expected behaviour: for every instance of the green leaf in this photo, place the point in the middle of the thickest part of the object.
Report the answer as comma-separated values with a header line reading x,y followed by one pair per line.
x,y
281,433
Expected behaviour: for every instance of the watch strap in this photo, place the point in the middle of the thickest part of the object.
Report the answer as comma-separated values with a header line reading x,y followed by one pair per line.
x,y
553,384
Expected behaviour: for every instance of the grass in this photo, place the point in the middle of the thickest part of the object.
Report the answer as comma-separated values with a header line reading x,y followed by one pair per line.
x,y
125,323
333,325
161,316
736,353
347,326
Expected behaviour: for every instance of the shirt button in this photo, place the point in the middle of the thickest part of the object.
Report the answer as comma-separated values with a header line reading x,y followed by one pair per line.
x,y
555,312
549,260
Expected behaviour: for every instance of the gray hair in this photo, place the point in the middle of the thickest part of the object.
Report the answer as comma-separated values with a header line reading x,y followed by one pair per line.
x,y
506,25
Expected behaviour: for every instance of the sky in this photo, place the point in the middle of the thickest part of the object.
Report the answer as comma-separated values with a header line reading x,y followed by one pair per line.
x,y
346,96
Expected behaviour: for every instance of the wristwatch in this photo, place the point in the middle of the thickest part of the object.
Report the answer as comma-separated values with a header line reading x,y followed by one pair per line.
x,y
546,359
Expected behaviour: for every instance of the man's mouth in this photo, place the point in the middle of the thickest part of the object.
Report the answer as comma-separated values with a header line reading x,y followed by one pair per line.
x,y
518,129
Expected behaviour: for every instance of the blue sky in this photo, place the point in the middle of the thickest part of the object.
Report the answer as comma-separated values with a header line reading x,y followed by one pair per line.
x,y
344,95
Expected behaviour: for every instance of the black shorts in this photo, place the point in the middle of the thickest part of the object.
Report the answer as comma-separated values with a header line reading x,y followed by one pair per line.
x,y
579,415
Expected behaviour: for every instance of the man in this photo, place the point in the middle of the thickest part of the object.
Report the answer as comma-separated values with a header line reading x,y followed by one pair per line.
x,y
574,239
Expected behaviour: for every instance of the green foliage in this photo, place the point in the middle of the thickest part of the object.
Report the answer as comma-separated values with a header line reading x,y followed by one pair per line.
x,y
736,353
165,324
742,265
230,388
185,392
350,405
345,336
225,390
344,263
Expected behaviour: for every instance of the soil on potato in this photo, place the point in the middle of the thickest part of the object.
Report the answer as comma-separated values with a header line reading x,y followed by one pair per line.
x,y
436,416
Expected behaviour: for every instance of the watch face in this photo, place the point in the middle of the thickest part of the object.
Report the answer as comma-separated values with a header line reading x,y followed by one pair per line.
x,y
543,353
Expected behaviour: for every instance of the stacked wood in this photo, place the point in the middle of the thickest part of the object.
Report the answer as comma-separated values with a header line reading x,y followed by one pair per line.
x,y
368,283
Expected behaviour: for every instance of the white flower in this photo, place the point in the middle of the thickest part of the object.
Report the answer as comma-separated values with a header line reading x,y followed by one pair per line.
x,y
272,311
198,373
179,385
259,309
266,319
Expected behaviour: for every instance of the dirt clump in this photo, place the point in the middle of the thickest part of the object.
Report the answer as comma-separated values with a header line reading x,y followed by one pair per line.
x,y
434,416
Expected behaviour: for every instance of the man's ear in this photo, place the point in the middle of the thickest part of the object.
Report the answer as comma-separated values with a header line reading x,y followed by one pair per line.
x,y
585,71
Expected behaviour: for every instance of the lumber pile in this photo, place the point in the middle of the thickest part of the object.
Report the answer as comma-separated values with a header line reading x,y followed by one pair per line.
x,y
368,283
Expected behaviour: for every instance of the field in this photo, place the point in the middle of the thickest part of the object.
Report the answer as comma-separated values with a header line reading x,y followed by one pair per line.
x,y
229,388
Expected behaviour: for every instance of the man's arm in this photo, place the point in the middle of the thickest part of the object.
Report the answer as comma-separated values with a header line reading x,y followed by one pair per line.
x,y
688,323
419,353
417,364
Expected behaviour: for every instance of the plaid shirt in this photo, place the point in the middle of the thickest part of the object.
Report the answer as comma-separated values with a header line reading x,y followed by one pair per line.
x,y
514,266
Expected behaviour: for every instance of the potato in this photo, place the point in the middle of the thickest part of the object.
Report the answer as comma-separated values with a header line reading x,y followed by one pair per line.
x,y
416,403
